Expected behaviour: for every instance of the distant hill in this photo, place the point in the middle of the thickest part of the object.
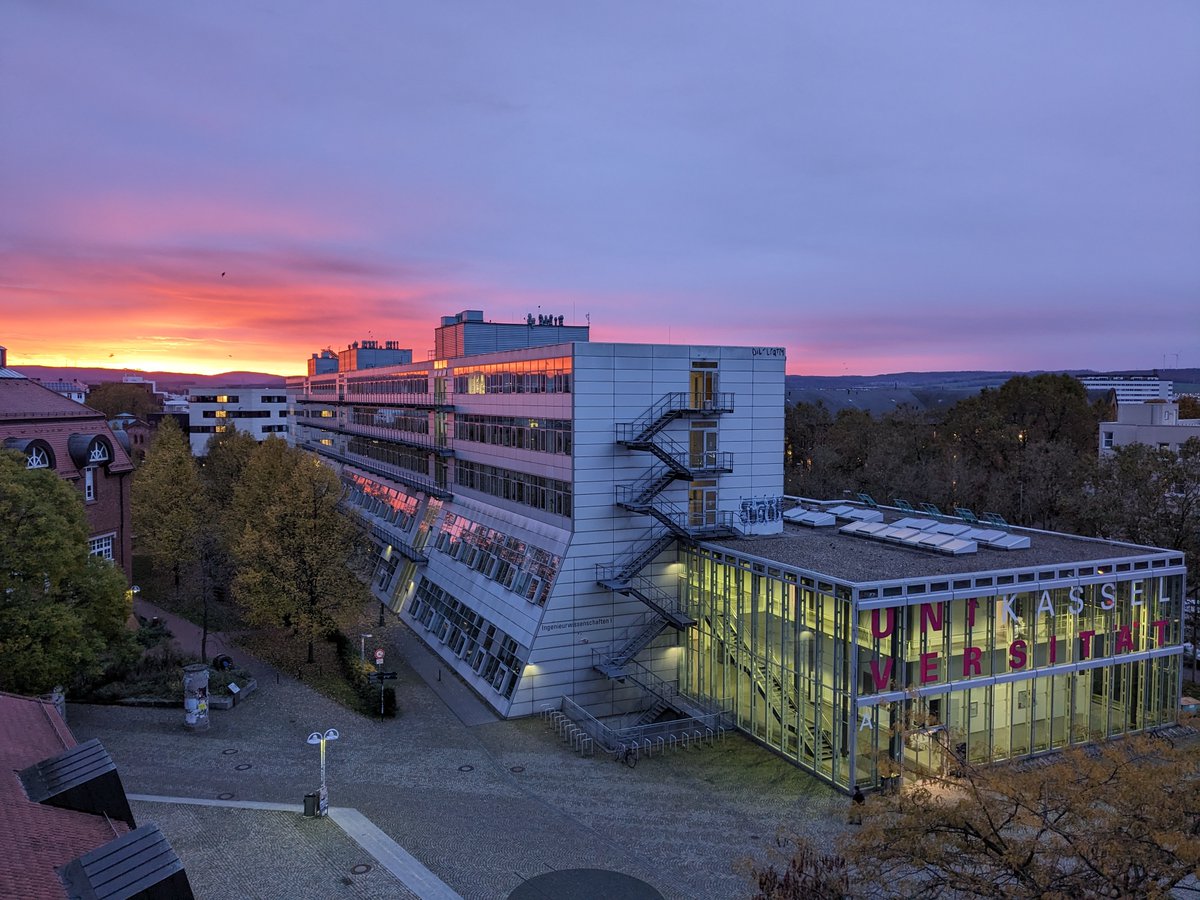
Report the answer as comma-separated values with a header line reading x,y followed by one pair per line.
x,y
927,390
174,382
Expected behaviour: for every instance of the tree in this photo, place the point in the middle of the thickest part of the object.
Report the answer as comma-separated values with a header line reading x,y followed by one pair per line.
x,y
115,397
1118,820
226,457
796,870
60,608
300,561
268,466
1189,407
222,469
166,498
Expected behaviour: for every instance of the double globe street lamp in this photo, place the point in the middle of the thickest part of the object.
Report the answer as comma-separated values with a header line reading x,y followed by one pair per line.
x,y
318,738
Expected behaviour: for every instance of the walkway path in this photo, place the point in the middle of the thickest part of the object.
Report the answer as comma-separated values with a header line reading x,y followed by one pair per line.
x,y
481,804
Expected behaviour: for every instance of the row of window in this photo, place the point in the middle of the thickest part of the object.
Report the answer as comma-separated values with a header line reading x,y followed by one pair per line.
x,y
410,384
536,491
490,653
240,413
392,454
380,500
412,420
541,435
221,429
234,398
522,568
506,382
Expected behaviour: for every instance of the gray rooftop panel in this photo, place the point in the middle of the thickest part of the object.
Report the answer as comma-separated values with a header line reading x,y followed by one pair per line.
x,y
844,555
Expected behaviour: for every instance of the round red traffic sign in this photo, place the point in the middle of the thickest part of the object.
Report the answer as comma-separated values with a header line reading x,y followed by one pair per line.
x,y
379,655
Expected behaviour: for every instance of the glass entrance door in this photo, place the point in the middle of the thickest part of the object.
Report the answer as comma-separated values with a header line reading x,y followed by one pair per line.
x,y
702,445
702,504
703,388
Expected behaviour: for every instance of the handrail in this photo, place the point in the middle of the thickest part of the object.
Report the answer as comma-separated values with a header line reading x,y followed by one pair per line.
x,y
668,406
370,465
397,436
612,738
662,598
649,545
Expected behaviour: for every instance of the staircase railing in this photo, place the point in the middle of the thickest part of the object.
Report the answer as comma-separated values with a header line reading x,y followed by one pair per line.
x,y
668,407
637,637
616,575
664,602
646,488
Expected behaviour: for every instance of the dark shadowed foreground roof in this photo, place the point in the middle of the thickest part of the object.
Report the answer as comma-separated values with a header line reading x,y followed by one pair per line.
x,y
37,838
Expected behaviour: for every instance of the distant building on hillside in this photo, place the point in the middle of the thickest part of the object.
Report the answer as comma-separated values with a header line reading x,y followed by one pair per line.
x,y
72,390
75,441
1131,388
260,412
1157,424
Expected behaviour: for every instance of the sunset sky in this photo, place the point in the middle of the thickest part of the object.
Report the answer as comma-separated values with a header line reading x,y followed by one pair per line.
x,y
878,187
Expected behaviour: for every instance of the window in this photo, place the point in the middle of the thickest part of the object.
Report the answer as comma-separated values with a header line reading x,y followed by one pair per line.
x,y
89,484
101,546
1107,440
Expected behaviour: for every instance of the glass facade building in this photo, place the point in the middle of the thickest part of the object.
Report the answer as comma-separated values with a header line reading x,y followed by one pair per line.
x,y
859,677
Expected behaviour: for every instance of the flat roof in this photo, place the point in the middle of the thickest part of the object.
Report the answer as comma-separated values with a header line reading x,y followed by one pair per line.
x,y
860,560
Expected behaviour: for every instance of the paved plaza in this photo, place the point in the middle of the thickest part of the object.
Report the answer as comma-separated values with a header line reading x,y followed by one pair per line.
x,y
483,806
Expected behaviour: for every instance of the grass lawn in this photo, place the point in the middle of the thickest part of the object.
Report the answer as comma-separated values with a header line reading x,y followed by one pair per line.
x,y
289,654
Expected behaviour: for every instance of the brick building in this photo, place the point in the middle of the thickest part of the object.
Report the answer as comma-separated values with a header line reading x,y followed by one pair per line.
x,y
56,433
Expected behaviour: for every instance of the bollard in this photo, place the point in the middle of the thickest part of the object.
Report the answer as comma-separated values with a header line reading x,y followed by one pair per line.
x,y
195,697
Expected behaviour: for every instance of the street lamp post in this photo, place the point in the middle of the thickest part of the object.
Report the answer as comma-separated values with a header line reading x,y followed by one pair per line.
x,y
362,646
318,738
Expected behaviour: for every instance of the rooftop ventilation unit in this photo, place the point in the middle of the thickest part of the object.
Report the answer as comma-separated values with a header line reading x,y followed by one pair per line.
x,y
992,538
916,538
813,518
856,513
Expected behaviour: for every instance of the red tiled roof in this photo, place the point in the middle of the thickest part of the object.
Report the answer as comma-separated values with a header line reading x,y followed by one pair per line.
x,y
23,398
27,410
37,838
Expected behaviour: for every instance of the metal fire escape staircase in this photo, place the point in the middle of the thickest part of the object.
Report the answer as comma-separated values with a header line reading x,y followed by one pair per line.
x,y
643,496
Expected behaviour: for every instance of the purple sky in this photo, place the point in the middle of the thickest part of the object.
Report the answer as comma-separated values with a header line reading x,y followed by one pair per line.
x,y
876,186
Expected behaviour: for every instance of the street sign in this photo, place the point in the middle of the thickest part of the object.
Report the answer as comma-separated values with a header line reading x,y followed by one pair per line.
x,y
376,677
379,655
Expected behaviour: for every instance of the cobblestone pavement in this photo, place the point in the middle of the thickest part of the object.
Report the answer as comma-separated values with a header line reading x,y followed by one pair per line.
x,y
260,855
483,807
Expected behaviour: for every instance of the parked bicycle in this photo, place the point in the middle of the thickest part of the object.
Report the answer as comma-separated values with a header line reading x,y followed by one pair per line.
x,y
628,755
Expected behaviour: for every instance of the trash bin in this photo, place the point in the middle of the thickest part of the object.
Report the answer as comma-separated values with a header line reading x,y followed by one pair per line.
x,y
222,663
310,805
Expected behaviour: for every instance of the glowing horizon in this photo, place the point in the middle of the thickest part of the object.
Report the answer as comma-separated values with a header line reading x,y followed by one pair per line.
x,y
875,194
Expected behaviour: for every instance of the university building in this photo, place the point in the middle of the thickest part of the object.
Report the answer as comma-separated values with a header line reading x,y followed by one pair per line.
x,y
604,522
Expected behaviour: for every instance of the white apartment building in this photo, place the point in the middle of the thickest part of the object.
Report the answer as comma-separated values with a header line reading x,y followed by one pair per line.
x,y
527,503
260,412
1131,388
1156,424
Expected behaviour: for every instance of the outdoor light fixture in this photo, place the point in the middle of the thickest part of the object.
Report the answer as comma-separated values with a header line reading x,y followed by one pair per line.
x,y
318,738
